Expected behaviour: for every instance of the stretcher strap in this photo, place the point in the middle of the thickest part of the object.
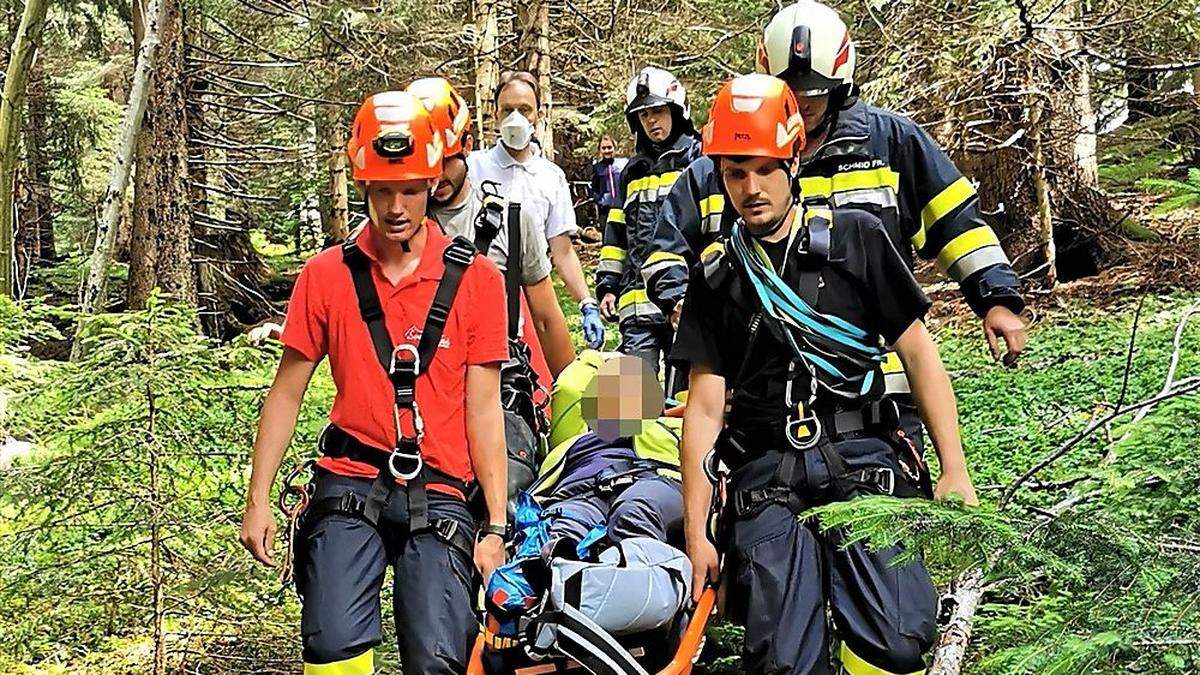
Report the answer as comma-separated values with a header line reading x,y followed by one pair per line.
x,y
579,638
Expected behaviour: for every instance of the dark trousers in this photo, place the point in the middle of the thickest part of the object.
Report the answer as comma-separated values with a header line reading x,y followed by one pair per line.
x,y
782,573
341,561
651,342
651,507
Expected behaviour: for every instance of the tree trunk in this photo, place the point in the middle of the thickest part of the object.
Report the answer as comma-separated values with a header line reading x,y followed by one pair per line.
x,y
229,272
533,45
1043,179
38,221
487,65
161,239
950,654
25,45
113,204
337,227
1141,90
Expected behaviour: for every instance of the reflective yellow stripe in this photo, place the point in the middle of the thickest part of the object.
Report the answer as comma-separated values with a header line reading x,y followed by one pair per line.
x,y
818,212
949,199
662,256
964,243
891,363
712,204
712,249
363,664
632,296
612,253
666,180
856,665
850,180
616,216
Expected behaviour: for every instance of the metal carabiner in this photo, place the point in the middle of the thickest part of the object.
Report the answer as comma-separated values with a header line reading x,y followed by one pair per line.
x,y
414,457
791,431
406,348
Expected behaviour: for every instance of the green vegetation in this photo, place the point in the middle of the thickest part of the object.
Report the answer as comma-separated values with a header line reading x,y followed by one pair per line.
x,y
124,517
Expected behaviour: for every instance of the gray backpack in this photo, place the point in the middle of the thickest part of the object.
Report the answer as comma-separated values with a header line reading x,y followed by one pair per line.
x,y
638,585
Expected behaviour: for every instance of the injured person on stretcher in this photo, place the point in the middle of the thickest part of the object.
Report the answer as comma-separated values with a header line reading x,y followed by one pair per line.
x,y
598,580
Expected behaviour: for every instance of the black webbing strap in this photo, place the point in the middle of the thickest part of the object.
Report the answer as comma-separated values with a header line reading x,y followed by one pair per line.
x,y
369,306
579,638
512,270
456,258
816,256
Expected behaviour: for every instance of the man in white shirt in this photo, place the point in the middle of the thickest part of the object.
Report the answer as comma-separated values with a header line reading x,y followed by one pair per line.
x,y
456,203
539,185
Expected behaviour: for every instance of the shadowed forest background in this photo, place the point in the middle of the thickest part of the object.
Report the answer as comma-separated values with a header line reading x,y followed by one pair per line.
x,y
129,392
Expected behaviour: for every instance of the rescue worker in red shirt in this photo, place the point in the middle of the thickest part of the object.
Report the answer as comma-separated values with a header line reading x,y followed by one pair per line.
x,y
414,326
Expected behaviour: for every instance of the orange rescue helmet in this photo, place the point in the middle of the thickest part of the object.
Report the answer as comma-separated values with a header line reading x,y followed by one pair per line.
x,y
754,115
448,109
393,138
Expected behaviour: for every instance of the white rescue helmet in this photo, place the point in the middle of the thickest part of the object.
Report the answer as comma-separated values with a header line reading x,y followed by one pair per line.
x,y
653,87
807,45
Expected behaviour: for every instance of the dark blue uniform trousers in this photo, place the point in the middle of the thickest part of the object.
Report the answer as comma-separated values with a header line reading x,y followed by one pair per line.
x,y
782,572
340,566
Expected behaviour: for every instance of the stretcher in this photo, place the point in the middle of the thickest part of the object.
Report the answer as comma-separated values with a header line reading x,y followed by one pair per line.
x,y
655,653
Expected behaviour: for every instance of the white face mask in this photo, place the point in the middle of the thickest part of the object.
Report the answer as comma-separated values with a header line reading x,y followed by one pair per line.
x,y
516,131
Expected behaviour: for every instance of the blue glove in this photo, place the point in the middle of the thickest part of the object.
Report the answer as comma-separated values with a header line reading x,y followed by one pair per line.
x,y
593,326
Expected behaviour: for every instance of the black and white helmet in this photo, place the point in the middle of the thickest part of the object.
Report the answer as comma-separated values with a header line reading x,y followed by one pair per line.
x,y
807,45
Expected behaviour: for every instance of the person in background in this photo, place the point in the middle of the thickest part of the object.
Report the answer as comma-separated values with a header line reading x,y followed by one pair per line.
x,y
606,178
524,175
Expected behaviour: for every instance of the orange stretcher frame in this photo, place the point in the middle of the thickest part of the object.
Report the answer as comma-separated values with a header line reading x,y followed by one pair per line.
x,y
681,663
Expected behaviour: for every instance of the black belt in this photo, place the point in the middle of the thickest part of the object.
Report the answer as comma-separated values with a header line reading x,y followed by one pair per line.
x,y
335,442
355,505
874,479
741,443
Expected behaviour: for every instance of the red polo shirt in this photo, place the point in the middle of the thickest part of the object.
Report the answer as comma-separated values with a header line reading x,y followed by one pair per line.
x,y
323,319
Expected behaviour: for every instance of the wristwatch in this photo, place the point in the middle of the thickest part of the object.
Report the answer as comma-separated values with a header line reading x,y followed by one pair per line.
x,y
492,528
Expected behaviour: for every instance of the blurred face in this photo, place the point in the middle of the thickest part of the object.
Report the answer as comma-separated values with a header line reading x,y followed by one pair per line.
x,y
812,108
759,188
656,122
517,96
453,176
606,149
397,207
622,399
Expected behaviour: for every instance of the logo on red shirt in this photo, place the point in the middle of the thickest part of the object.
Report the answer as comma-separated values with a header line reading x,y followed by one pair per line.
x,y
413,336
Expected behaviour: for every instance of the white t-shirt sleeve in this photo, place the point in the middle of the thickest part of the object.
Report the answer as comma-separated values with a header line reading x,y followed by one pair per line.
x,y
561,218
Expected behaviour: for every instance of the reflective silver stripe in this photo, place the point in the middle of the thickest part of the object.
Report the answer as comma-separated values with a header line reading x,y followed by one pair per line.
x,y
977,260
656,267
641,310
883,197
896,383
613,266
711,223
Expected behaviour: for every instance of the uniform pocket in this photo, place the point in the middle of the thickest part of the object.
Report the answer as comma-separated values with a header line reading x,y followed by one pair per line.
x,y
915,603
